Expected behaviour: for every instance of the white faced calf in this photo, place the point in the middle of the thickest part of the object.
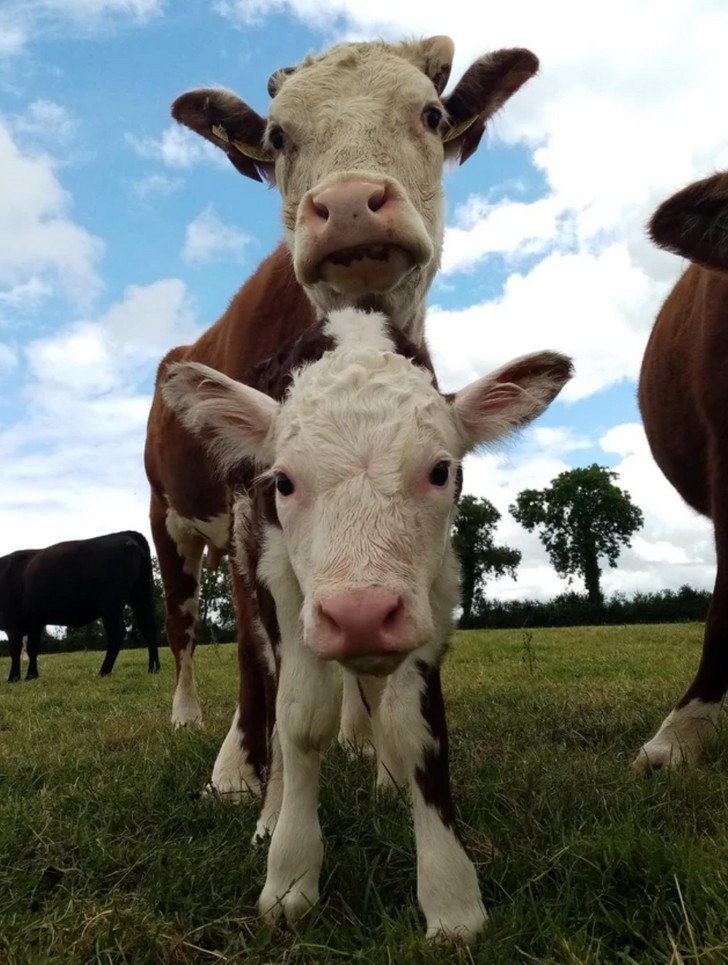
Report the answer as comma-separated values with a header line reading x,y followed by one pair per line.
x,y
363,452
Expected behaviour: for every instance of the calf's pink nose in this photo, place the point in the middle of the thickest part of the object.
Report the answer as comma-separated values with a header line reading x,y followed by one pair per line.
x,y
362,622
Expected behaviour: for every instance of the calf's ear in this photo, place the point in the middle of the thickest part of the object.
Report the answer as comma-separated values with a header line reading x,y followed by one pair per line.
x,y
510,397
232,419
222,118
482,90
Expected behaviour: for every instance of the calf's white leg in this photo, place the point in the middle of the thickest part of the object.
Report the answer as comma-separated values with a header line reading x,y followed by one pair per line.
x,y
413,716
307,716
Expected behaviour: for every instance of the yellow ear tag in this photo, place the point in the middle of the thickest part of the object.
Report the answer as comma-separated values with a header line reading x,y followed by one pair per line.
x,y
457,129
254,153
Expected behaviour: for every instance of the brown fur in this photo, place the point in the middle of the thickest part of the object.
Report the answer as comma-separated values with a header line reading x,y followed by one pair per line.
x,y
682,391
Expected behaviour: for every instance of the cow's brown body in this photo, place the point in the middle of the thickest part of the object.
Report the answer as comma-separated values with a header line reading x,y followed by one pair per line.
x,y
683,396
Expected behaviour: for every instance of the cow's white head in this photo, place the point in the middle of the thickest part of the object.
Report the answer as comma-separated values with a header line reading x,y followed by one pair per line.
x,y
356,138
363,454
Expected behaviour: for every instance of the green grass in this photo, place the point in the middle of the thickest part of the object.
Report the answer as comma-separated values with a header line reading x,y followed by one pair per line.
x,y
108,854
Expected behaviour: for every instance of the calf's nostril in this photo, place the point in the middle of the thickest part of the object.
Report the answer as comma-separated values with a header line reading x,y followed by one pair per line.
x,y
377,199
321,210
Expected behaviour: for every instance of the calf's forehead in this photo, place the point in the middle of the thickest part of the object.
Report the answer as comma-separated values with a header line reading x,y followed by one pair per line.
x,y
353,409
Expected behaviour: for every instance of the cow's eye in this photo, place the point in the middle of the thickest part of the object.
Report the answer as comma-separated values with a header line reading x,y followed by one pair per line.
x,y
284,485
432,117
440,473
277,138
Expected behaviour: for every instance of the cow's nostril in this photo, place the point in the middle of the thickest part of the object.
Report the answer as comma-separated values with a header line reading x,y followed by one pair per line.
x,y
321,210
377,199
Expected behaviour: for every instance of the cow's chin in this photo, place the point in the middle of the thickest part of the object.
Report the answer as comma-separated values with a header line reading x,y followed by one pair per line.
x,y
374,665
366,269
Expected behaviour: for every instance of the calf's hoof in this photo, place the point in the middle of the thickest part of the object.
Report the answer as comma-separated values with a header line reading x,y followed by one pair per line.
x,y
461,925
14,678
154,669
31,676
294,903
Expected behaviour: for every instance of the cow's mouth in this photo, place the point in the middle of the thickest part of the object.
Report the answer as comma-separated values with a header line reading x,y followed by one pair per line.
x,y
376,267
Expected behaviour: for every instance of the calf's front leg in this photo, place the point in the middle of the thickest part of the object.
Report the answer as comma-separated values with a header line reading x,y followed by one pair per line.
x,y
307,717
412,714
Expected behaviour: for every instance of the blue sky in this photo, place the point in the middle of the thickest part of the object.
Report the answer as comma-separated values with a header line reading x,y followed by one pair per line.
x,y
121,235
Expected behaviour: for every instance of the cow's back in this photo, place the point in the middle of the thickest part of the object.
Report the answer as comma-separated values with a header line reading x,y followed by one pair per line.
x,y
268,309
682,391
75,582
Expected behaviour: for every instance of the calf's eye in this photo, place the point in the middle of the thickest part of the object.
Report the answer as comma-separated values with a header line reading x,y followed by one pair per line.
x,y
284,485
440,473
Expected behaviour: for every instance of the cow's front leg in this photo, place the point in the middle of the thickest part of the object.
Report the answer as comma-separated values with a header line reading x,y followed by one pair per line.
x,y
307,714
413,715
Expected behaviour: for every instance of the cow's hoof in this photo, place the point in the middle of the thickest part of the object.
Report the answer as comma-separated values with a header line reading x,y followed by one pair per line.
x,y
154,669
14,678
31,676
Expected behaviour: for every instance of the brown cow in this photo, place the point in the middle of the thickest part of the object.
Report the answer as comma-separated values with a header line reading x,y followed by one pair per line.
x,y
682,397
355,139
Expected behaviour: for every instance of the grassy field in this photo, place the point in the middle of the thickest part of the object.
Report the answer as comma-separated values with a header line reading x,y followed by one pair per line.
x,y
108,853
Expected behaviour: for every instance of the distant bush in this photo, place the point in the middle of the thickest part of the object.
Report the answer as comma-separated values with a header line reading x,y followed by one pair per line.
x,y
572,609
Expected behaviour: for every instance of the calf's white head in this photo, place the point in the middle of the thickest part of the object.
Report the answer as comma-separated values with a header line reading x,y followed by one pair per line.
x,y
363,453
355,139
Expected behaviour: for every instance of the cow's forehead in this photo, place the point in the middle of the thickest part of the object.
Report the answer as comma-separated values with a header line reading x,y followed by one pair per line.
x,y
359,70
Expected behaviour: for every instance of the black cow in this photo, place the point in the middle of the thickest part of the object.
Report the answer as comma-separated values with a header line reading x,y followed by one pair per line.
x,y
70,584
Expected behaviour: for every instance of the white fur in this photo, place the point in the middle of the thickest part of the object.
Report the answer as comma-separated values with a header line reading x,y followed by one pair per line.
x,y
233,776
681,738
349,330
307,714
186,710
356,730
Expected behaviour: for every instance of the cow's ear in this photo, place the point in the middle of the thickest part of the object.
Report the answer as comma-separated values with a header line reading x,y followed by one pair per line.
x,y
510,397
482,90
433,56
228,123
233,420
693,222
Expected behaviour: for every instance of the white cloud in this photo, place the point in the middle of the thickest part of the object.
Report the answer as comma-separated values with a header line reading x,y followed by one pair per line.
x,y
595,307
23,21
176,147
73,466
156,186
207,238
39,243
45,119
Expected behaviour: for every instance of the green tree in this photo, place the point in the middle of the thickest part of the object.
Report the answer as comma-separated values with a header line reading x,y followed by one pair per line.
x,y
216,602
480,558
582,516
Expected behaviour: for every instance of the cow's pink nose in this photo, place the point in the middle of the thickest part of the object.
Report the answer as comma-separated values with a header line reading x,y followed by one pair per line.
x,y
347,201
360,623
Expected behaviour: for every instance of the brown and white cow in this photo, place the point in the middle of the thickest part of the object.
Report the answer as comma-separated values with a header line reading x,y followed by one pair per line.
x,y
355,139
347,530
683,396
